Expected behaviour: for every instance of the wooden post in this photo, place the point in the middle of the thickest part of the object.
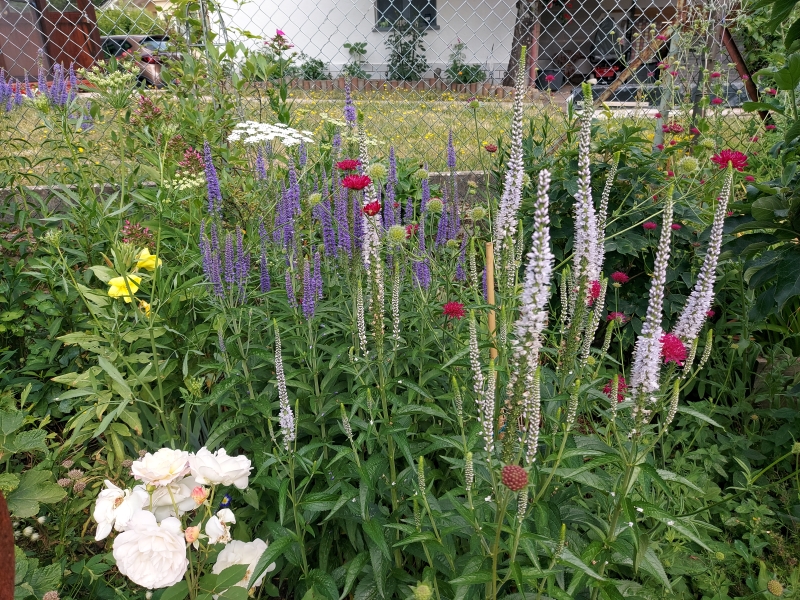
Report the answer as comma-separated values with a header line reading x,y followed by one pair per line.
x,y
6,552
490,296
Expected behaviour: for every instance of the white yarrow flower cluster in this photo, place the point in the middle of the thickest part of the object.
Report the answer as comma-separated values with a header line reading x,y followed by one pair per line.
x,y
506,222
253,132
647,350
151,547
693,315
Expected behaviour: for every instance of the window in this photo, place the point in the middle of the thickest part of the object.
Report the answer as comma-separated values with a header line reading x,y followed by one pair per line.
x,y
156,44
389,12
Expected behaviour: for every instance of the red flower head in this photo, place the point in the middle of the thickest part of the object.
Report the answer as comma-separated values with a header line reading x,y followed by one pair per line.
x,y
694,131
660,146
372,208
665,128
675,226
549,78
411,229
716,74
673,73
769,127
649,225
772,91
754,138
734,157
650,74
620,277
356,182
594,292
717,101
676,128
514,477
749,178
657,115
453,310
490,148
710,314
661,38
672,349
349,164
618,317
621,388
672,142
745,77
670,173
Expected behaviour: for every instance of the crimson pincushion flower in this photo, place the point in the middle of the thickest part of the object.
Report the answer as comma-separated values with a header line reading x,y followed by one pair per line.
x,y
672,349
490,148
453,310
649,225
620,277
621,388
356,182
349,164
618,317
514,477
594,292
372,208
736,158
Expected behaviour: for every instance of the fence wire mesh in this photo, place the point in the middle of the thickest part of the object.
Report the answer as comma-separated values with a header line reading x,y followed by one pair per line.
x,y
413,65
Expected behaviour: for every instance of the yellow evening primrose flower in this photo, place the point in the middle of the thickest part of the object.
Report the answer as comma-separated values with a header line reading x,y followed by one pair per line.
x,y
148,261
118,288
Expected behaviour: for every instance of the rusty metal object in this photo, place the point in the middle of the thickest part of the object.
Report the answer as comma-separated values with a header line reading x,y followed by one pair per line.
x,y
6,552
741,68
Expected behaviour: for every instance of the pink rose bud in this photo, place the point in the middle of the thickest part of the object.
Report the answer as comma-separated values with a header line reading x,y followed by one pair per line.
x,y
199,494
191,534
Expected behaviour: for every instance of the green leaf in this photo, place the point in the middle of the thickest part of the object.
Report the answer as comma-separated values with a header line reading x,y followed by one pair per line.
x,y
122,386
179,591
10,422
324,584
230,577
273,551
234,593
697,414
375,531
46,579
787,78
754,106
764,208
354,567
27,441
251,497
569,558
8,482
472,578
652,565
34,487
427,409
670,476
788,284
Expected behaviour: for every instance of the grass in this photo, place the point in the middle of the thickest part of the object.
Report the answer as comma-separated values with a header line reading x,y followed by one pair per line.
x,y
415,124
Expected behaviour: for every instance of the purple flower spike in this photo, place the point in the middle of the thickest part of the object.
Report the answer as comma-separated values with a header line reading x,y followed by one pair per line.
x,y
265,282
309,293
28,86
349,107
336,144
462,257
409,214
230,260
426,196
302,155
73,83
261,167
422,270
290,289
451,151
212,181
392,174
442,230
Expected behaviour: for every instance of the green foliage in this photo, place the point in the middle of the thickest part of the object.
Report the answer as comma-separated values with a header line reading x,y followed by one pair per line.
x,y
354,67
130,20
459,71
406,45
312,68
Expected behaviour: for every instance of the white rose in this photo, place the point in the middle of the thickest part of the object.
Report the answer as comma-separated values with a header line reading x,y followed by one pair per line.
x,y
219,468
163,500
161,468
151,555
217,528
243,553
115,507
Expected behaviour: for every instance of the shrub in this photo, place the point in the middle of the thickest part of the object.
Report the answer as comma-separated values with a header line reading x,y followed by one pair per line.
x,y
406,46
130,20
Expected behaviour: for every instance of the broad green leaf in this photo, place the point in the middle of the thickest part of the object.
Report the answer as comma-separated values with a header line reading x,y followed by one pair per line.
x,y
122,386
273,551
569,558
324,584
354,567
652,565
34,487
697,414
28,441
8,482
472,578
230,576
375,532
10,422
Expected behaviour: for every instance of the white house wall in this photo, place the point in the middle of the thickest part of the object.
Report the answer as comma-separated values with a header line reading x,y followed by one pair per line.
x,y
319,28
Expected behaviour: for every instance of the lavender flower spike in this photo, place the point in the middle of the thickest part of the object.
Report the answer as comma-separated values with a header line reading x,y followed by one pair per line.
x,y
349,107
506,222
647,351
451,151
264,282
285,415
533,315
586,265
261,167
214,193
701,298
309,293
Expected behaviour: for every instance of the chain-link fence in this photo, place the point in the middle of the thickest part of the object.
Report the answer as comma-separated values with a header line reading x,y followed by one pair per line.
x,y
413,64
